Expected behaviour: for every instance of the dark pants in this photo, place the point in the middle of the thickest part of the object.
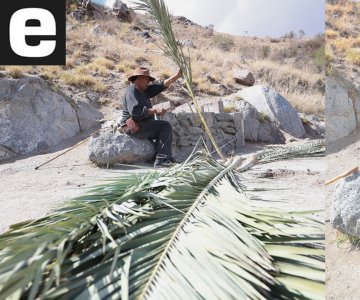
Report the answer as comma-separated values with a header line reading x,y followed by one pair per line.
x,y
158,130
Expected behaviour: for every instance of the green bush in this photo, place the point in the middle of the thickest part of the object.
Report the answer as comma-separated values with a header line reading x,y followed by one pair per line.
x,y
318,56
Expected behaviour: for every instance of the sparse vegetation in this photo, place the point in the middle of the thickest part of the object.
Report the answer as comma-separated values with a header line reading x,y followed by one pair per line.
x,y
17,71
344,238
353,55
101,53
223,42
342,33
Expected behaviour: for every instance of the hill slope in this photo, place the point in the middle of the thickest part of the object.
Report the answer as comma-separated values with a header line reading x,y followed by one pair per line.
x,y
101,52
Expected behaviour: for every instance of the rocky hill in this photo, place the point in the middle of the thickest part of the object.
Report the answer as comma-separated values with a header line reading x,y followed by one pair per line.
x,y
104,46
40,106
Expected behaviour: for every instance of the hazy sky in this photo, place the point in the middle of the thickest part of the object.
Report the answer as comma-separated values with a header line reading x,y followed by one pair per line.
x,y
260,18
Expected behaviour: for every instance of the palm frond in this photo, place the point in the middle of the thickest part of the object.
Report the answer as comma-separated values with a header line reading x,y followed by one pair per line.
x,y
160,17
305,148
188,232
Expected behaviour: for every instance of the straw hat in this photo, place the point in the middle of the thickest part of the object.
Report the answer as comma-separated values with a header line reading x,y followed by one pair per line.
x,y
141,71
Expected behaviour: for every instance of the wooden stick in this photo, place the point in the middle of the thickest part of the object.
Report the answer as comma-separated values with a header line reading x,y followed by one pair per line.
x,y
78,144
353,170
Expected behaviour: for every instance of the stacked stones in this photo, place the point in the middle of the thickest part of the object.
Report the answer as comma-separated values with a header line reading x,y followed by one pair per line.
x,y
188,132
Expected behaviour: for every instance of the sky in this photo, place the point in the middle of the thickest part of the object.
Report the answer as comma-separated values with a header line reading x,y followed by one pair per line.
x,y
262,18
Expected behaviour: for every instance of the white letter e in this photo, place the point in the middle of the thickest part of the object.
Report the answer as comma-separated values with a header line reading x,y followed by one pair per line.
x,y
19,30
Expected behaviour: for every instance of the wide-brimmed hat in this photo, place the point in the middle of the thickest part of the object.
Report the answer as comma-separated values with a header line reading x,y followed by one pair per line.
x,y
141,71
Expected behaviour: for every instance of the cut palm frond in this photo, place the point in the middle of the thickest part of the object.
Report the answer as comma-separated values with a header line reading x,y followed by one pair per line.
x,y
188,232
172,48
272,153
305,148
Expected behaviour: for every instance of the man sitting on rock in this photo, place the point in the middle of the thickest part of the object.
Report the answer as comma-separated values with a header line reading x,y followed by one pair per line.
x,y
137,106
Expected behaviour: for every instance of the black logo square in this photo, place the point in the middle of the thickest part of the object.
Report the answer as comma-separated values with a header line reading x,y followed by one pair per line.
x,y
33,32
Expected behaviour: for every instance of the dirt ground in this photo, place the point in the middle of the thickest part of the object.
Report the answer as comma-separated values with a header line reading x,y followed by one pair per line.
x,y
342,260
27,193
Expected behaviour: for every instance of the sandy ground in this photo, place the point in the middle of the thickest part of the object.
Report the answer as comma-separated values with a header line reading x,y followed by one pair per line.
x,y
27,193
342,260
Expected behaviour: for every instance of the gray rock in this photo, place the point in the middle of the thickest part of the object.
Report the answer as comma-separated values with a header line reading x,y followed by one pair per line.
x,y
223,117
230,130
345,214
276,107
122,11
342,114
34,116
195,131
187,44
243,77
78,15
145,35
6,153
256,129
107,147
313,125
88,116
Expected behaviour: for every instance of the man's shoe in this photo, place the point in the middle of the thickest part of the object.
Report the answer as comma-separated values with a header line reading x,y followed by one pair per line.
x,y
162,163
173,160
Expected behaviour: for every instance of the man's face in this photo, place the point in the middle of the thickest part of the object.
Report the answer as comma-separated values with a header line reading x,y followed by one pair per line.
x,y
142,82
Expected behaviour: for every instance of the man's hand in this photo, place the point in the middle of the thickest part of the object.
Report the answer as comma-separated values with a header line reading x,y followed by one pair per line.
x,y
157,111
179,74
161,112
173,78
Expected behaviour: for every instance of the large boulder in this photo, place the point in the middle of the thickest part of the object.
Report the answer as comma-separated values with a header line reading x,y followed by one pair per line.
x,y
34,116
345,214
257,127
270,103
342,107
109,147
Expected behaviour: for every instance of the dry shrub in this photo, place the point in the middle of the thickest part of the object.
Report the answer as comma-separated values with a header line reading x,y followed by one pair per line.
x,y
331,34
17,71
223,42
77,79
100,87
70,62
51,72
310,102
342,45
103,62
329,54
353,55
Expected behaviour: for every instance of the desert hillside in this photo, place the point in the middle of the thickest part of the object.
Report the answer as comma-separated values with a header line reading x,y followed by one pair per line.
x,y
103,50
342,33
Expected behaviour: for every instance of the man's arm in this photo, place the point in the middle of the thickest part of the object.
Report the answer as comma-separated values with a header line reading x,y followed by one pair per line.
x,y
173,78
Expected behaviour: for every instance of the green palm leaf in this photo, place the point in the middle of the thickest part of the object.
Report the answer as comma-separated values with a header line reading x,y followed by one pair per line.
x,y
189,232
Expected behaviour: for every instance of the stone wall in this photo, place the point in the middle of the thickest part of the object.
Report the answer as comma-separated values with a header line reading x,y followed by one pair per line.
x,y
227,129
